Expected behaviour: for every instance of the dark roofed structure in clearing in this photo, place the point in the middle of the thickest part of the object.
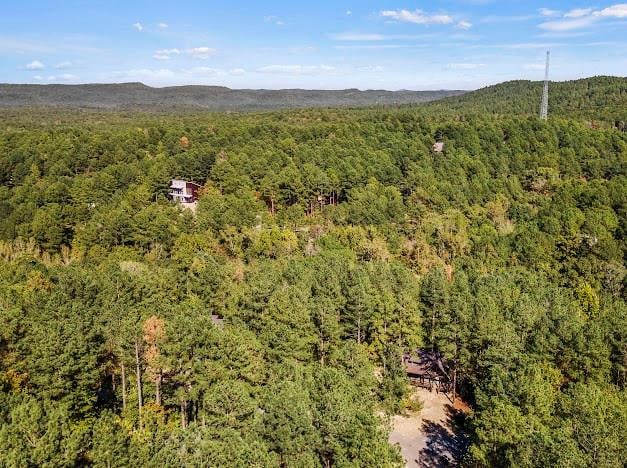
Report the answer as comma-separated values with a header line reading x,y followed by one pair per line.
x,y
428,369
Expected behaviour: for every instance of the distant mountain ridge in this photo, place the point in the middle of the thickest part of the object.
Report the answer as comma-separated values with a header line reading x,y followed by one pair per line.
x,y
138,95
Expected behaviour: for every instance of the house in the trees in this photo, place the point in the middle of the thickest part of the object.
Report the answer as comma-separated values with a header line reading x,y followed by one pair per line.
x,y
184,192
438,147
429,369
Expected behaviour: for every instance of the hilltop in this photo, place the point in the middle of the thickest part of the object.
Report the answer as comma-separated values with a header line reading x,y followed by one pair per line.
x,y
218,98
602,97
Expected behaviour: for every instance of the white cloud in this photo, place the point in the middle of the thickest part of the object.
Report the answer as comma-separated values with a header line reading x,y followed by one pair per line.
x,y
38,77
578,12
348,12
165,54
296,69
463,24
35,65
465,66
567,25
63,65
548,12
583,17
416,17
196,52
162,25
237,71
615,11
201,52
138,26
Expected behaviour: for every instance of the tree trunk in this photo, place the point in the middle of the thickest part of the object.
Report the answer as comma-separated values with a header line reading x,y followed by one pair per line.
x,y
123,387
138,376
158,388
359,329
322,338
433,330
385,348
184,414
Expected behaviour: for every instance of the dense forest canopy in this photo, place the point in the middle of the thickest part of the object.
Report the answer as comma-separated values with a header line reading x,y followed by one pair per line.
x,y
267,327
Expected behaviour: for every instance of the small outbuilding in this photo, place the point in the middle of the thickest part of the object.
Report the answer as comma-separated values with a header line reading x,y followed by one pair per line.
x,y
429,369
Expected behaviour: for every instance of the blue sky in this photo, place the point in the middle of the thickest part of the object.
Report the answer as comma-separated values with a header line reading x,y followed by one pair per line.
x,y
328,44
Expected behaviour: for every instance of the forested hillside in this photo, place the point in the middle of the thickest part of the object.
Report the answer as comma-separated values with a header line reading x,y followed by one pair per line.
x,y
601,97
139,96
266,329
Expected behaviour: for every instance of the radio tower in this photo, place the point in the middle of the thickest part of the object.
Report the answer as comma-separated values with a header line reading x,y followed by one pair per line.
x,y
544,107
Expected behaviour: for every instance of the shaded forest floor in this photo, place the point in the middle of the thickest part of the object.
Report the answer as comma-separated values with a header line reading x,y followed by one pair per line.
x,y
429,438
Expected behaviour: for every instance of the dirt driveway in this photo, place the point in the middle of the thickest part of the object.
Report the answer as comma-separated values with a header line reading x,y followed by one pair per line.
x,y
429,438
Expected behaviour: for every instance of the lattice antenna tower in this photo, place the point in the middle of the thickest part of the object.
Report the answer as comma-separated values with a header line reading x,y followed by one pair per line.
x,y
544,107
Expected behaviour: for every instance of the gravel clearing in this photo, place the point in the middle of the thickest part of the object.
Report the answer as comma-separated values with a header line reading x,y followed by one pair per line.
x,y
429,438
